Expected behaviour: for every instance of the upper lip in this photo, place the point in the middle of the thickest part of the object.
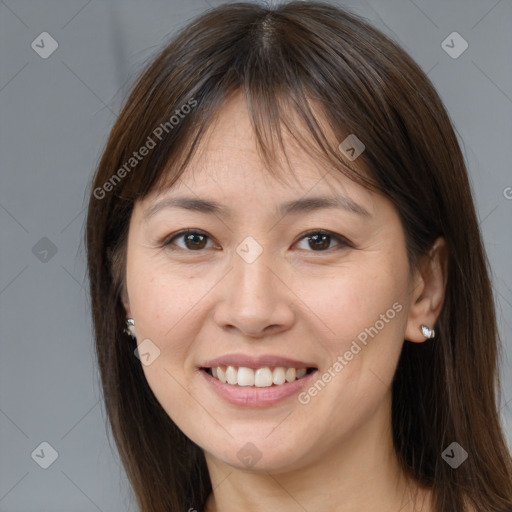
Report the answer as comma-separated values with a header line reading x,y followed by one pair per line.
x,y
255,361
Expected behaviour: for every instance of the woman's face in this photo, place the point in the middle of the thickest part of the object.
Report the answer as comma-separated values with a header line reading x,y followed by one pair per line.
x,y
271,291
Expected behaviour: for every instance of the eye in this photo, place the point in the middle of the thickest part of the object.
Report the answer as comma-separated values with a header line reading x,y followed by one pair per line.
x,y
320,240
194,240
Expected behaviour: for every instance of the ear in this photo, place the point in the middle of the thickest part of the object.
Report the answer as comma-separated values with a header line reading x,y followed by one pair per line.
x,y
116,262
126,302
427,294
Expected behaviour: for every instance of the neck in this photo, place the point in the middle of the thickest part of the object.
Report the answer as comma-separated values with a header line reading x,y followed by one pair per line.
x,y
362,473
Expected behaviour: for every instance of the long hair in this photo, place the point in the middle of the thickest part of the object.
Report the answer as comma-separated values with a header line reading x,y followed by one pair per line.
x,y
321,63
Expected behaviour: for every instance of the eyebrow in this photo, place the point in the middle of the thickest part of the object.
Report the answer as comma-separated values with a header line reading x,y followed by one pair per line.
x,y
295,206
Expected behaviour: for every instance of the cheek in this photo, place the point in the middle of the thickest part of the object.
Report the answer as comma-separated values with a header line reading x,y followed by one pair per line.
x,y
162,299
164,305
350,302
364,317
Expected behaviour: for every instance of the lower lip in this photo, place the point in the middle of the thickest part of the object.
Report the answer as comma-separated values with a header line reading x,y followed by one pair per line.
x,y
251,396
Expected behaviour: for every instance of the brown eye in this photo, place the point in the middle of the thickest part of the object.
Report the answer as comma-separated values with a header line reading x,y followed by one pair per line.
x,y
192,240
320,241
195,241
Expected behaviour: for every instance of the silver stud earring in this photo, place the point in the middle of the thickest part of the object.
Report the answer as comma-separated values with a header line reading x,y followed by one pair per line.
x,y
130,323
427,331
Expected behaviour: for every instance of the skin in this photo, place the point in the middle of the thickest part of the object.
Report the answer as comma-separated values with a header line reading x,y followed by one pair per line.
x,y
293,300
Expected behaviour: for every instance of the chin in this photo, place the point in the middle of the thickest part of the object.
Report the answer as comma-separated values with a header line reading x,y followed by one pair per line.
x,y
260,455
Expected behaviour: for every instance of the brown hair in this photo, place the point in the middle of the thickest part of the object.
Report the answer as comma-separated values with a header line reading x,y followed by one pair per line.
x,y
282,59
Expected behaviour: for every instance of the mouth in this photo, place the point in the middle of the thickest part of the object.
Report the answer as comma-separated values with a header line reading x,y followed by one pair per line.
x,y
263,377
262,380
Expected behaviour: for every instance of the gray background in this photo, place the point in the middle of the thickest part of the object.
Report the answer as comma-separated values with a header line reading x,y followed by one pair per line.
x,y
55,116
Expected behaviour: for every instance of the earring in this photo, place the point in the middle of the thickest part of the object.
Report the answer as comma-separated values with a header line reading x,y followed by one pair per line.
x,y
130,323
427,331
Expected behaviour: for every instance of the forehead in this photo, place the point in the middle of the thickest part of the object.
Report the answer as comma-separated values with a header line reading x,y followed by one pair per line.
x,y
228,162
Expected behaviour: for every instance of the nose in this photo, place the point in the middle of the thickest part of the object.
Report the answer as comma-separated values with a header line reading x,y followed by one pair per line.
x,y
255,300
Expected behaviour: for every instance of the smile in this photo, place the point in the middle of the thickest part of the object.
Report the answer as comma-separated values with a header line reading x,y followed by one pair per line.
x,y
259,377
257,387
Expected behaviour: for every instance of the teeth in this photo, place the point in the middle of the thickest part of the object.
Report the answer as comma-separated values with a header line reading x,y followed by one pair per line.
x,y
290,374
279,375
260,378
263,377
231,375
245,376
221,374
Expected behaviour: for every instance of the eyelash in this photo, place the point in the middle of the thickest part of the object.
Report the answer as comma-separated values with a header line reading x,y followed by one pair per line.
x,y
342,241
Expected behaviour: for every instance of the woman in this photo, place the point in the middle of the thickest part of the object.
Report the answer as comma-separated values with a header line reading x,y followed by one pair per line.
x,y
301,325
